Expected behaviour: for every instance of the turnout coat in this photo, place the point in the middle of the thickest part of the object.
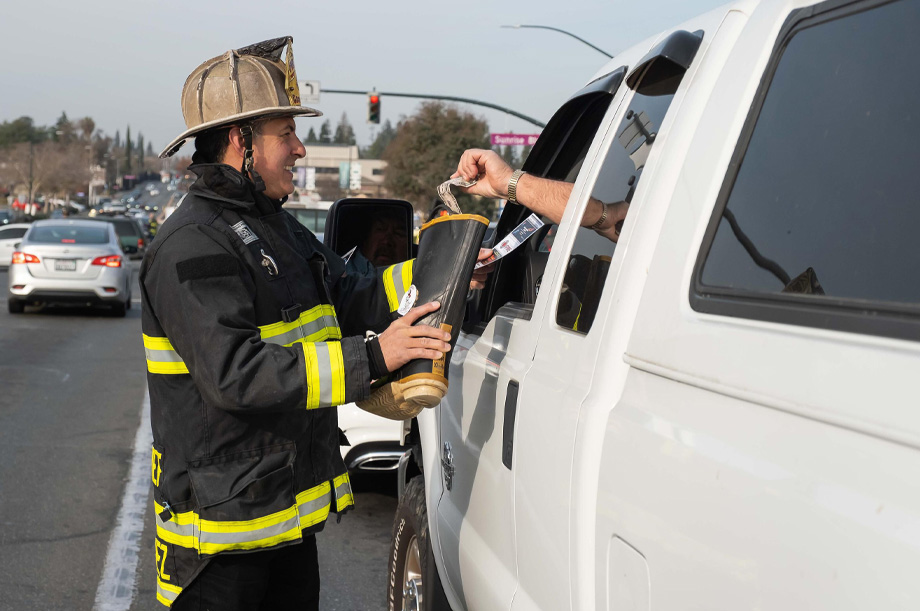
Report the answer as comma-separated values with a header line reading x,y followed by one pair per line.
x,y
253,333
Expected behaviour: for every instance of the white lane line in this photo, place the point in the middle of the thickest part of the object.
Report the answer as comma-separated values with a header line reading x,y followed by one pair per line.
x,y
117,587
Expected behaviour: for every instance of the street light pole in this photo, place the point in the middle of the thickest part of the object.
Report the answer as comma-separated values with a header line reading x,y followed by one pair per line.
x,y
546,27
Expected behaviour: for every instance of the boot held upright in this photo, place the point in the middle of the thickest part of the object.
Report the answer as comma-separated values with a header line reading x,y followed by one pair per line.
x,y
447,252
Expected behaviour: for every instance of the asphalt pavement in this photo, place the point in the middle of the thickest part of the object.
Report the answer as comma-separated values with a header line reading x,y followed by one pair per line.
x,y
72,390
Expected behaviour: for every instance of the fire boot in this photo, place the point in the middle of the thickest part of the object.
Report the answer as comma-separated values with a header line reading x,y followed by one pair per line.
x,y
447,251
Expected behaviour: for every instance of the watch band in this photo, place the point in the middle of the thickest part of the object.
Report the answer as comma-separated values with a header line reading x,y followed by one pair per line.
x,y
512,185
600,222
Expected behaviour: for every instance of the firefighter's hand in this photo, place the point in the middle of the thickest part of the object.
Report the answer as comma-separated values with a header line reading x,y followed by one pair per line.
x,y
402,342
480,275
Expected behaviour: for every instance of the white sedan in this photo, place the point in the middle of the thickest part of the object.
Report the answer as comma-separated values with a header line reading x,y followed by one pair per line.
x,y
10,237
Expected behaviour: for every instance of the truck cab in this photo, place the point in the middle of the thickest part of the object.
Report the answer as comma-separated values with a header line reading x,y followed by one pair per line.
x,y
717,410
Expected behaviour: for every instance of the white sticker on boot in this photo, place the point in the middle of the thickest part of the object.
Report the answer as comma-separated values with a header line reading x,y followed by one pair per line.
x,y
408,301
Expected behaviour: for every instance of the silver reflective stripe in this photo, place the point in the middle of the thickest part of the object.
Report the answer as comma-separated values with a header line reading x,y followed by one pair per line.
x,y
162,356
229,538
186,530
317,504
343,489
324,364
398,281
327,321
167,595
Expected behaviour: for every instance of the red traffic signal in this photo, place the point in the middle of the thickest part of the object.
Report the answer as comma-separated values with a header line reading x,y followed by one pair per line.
x,y
373,108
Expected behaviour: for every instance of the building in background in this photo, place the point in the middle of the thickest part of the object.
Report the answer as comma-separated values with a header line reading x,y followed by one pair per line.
x,y
332,171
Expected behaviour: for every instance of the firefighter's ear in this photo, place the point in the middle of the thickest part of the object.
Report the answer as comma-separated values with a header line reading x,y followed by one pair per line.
x,y
237,143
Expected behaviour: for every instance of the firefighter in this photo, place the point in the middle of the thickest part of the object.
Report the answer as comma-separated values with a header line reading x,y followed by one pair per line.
x,y
253,333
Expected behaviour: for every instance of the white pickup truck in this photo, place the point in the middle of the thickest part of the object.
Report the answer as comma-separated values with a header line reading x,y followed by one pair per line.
x,y
722,410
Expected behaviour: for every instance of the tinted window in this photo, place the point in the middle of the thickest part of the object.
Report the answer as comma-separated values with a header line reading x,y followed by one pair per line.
x,y
126,229
12,233
618,178
825,200
69,234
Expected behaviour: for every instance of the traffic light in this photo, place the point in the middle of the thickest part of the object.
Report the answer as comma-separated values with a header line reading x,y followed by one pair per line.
x,y
373,108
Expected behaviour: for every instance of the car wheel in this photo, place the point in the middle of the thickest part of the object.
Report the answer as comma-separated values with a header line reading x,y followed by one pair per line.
x,y
128,302
15,306
413,584
118,310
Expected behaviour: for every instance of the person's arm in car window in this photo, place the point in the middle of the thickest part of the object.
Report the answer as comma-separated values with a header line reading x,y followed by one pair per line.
x,y
541,195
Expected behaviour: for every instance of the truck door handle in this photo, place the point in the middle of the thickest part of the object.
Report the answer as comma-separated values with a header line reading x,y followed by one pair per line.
x,y
511,399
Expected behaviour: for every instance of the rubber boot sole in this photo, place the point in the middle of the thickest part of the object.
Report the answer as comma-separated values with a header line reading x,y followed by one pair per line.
x,y
405,399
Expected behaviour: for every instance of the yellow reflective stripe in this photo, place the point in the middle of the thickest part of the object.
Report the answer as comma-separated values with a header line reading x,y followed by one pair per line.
x,y
337,364
167,593
407,275
312,506
162,357
312,366
390,288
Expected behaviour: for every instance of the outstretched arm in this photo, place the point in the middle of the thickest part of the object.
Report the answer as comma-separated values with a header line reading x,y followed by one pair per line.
x,y
541,195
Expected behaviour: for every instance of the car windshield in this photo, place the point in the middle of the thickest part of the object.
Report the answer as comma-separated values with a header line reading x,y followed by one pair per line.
x,y
69,234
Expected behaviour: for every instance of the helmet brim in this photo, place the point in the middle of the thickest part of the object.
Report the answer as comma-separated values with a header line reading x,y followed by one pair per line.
x,y
279,111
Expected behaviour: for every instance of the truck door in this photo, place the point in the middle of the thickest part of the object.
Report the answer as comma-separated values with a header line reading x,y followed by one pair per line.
x,y
475,524
553,480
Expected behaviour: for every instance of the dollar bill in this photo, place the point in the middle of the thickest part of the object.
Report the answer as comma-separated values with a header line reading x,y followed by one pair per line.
x,y
447,197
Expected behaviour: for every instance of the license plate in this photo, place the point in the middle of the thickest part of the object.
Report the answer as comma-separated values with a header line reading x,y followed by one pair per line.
x,y
65,265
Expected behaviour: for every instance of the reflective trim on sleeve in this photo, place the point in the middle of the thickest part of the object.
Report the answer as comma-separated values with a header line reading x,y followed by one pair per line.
x,y
396,281
208,537
162,357
325,374
316,324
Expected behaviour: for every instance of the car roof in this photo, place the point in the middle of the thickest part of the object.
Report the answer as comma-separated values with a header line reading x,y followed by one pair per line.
x,y
16,225
65,221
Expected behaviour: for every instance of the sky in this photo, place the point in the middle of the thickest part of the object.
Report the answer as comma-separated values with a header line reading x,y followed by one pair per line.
x,y
124,62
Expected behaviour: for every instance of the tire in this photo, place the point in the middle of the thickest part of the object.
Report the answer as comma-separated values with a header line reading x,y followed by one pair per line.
x,y
118,310
15,306
413,583
128,302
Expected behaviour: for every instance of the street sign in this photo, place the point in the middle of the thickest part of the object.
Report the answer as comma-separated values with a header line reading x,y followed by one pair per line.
x,y
309,92
514,139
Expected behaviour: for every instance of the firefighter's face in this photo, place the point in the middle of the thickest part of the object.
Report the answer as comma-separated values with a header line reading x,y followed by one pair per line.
x,y
275,148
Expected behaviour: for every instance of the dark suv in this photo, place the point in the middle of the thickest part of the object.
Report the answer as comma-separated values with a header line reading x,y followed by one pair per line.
x,y
129,235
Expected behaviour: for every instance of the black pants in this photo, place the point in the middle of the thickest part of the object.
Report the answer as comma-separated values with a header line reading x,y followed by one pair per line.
x,y
286,578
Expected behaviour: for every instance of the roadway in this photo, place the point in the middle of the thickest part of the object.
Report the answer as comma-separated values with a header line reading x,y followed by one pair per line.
x,y
72,392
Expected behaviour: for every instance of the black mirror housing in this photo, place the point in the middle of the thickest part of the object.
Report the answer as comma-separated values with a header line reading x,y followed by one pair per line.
x,y
350,221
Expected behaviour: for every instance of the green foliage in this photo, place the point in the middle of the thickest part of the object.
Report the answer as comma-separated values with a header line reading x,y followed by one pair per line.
x,y
381,142
325,132
426,150
21,130
311,137
128,150
344,132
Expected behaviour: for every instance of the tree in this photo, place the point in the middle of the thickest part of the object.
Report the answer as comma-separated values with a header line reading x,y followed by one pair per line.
x,y
87,127
325,132
150,152
311,137
117,143
344,132
63,129
426,150
128,151
140,153
20,130
380,143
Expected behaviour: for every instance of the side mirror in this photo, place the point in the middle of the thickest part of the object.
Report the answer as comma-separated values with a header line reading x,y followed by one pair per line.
x,y
384,227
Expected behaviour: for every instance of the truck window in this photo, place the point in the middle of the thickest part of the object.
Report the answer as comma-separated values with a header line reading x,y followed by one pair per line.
x,y
818,225
591,253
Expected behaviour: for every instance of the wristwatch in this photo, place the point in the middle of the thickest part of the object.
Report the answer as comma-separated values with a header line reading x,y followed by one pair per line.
x,y
600,222
512,185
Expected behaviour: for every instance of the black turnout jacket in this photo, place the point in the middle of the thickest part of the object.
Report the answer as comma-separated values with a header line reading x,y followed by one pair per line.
x,y
252,331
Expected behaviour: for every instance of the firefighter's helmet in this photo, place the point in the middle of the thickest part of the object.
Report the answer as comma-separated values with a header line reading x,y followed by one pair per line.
x,y
240,86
